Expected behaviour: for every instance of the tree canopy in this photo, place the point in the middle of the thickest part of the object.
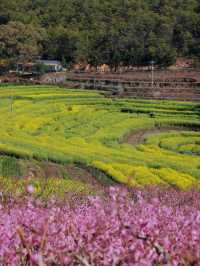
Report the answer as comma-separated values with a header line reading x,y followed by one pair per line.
x,y
114,32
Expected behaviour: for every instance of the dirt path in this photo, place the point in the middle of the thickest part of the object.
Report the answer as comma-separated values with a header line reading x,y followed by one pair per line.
x,y
80,173
49,169
140,136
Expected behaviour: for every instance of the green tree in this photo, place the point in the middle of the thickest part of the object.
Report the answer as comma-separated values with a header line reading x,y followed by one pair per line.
x,y
17,38
115,32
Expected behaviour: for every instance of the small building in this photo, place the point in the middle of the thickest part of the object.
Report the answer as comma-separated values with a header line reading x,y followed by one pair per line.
x,y
33,67
52,65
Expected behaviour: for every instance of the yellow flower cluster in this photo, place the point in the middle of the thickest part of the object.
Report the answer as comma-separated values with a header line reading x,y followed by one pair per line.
x,y
50,123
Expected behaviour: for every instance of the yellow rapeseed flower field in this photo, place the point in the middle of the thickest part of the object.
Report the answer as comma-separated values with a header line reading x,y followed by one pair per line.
x,y
65,125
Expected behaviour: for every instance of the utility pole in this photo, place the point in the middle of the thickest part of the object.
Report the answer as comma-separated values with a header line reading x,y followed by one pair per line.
x,y
152,73
11,104
11,100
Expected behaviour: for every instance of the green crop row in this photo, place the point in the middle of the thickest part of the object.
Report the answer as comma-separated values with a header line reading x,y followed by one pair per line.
x,y
60,125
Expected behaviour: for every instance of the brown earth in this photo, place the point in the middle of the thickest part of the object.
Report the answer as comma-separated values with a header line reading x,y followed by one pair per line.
x,y
167,85
48,169
140,136
145,75
137,75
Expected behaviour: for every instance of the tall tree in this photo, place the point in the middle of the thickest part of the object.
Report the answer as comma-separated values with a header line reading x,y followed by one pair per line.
x,y
17,38
115,32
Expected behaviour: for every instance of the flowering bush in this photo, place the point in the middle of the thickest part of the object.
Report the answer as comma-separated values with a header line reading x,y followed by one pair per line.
x,y
141,227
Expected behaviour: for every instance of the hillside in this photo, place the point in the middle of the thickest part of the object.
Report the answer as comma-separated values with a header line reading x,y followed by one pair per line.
x,y
89,180
100,132
83,127
116,33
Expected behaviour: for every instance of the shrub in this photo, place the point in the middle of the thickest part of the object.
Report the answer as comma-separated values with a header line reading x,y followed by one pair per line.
x,y
143,227
9,167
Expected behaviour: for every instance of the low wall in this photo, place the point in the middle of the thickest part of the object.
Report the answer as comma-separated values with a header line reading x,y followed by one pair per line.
x,y
184,88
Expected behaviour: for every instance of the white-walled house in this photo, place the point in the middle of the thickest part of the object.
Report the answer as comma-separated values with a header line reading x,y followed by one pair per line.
x,y
31,67
53,65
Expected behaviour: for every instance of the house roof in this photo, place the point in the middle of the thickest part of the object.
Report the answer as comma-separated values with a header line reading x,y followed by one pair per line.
x,y
50,62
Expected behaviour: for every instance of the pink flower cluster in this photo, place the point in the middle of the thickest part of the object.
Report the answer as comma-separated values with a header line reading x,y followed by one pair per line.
x,y
142,228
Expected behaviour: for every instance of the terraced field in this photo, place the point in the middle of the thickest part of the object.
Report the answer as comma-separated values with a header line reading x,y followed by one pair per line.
x,y
74,126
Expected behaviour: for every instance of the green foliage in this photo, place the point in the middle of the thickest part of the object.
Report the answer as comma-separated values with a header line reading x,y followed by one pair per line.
x,y
114,32
44,188
161,52
5,66
18,39
9,167
41,68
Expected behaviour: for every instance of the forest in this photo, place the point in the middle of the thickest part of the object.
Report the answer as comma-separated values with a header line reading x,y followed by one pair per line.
x,y
112,32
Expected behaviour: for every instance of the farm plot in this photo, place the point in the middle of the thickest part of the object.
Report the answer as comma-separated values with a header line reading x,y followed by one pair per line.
x,y
74,126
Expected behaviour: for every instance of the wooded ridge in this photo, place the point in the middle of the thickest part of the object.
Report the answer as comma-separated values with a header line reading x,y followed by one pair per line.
x,y
112,32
